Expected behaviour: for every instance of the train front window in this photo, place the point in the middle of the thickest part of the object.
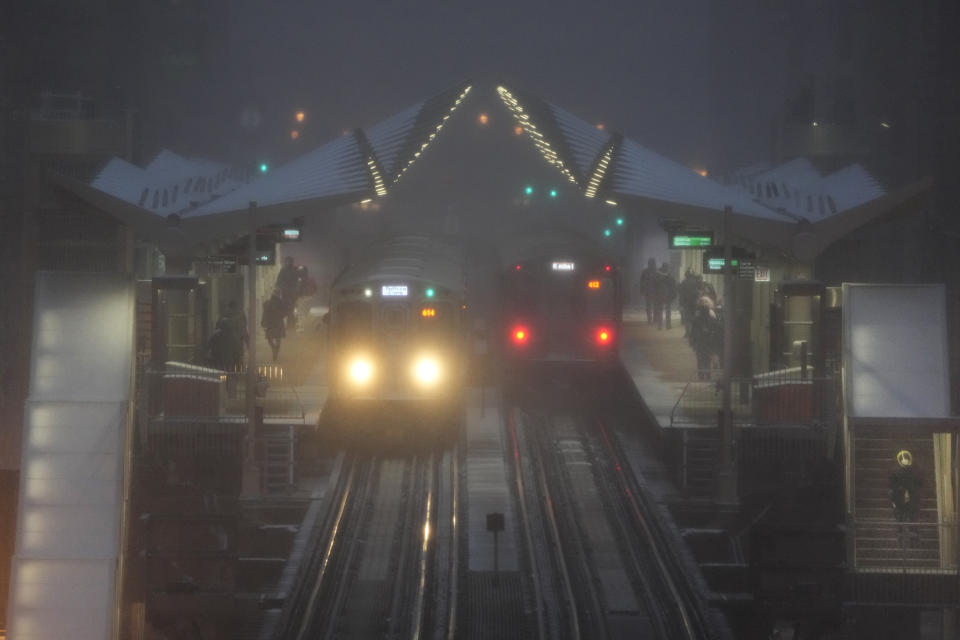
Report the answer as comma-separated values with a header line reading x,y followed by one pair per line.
x,y
352,321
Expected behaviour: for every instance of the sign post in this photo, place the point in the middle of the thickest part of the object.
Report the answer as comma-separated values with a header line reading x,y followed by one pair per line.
x,y
495,525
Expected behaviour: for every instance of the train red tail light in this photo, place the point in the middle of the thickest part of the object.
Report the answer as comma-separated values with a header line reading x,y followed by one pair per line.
x,y
520,335
603,336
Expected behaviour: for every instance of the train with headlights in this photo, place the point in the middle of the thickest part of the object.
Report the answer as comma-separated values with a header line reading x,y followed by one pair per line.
x,y
561,302
396,347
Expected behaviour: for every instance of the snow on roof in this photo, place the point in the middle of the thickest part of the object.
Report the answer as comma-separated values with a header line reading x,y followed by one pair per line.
x,y
802,191
333,169
169,184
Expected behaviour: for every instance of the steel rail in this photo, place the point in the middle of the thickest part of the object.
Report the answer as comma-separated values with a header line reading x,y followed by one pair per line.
x,y
547,453
534,566
424,553
341,586
454,547
655,545
331,537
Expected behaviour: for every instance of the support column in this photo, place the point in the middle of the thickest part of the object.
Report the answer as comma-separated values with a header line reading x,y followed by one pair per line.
x,y
251,472
727,473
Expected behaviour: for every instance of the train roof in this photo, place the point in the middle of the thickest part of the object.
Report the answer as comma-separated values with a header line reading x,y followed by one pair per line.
x,y
407,258
550,243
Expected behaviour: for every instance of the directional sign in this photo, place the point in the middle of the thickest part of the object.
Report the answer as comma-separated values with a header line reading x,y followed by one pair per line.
x,y
696,239
761,274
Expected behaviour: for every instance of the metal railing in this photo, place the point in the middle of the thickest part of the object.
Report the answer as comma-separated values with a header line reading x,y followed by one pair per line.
x,y
904,563
786,397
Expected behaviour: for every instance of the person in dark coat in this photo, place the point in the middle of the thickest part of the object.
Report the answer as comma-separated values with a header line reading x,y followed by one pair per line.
x,y
665,290
288,285
687,300
706,336
647,289
272,321
219,348
236,324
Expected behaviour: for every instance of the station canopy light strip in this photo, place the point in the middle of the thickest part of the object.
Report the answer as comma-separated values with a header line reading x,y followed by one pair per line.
x,y
434,132
542,144
378,184
599,172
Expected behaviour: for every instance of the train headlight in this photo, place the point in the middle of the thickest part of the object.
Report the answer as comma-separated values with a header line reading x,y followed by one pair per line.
x,y
426,371
360,371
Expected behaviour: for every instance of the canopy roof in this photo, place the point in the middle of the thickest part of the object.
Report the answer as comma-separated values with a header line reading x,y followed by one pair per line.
x,y
183,203
186,205
791,208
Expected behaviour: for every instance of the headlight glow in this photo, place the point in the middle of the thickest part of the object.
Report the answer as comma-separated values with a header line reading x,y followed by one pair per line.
x,y
360,371
426,371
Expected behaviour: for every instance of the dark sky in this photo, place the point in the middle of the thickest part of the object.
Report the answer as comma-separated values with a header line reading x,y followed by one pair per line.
x,y
694,81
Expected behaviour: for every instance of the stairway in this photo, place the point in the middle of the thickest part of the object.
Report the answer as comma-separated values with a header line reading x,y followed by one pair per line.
x,y
881,541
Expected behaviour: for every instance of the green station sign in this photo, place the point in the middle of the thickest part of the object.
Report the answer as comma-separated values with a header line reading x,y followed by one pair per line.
x,y
690,238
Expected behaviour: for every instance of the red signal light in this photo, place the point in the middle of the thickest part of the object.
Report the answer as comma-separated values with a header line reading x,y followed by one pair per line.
x,y
607,267
518,267
604,335
520,335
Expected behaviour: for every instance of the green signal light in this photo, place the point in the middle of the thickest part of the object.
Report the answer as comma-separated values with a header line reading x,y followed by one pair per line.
x,y
430,292
263,167
528,190
607,232
553,193
619,222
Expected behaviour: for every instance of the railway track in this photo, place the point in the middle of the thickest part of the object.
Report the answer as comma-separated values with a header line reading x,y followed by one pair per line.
x,y
610,574
383,554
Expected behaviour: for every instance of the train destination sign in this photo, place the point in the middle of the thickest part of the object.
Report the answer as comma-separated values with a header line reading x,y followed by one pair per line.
x,y
691,239
564,266
393,290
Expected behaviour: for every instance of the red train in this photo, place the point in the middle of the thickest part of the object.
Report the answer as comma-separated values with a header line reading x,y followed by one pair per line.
x,y
561,301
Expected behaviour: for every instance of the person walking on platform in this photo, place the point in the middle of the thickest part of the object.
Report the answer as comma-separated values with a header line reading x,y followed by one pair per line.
x,y
272,321
687,300
236,325
665,290
706,336
648,278
288,284
306,290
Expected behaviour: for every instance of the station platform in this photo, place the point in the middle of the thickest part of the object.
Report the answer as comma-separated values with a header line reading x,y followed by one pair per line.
x,y
660,362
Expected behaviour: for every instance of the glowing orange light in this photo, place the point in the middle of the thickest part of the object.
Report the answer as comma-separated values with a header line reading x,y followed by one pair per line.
x,y
520,335
518,130
600,126
604,335
483,118
294,134
300,116
428,312
593,284
702,172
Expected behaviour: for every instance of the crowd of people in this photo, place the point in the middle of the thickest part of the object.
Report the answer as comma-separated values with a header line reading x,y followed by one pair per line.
x,y
227,344
700,314
279,313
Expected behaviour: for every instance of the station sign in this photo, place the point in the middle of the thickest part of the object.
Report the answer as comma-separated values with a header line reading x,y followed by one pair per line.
x,y
742,262
691,239
393,291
